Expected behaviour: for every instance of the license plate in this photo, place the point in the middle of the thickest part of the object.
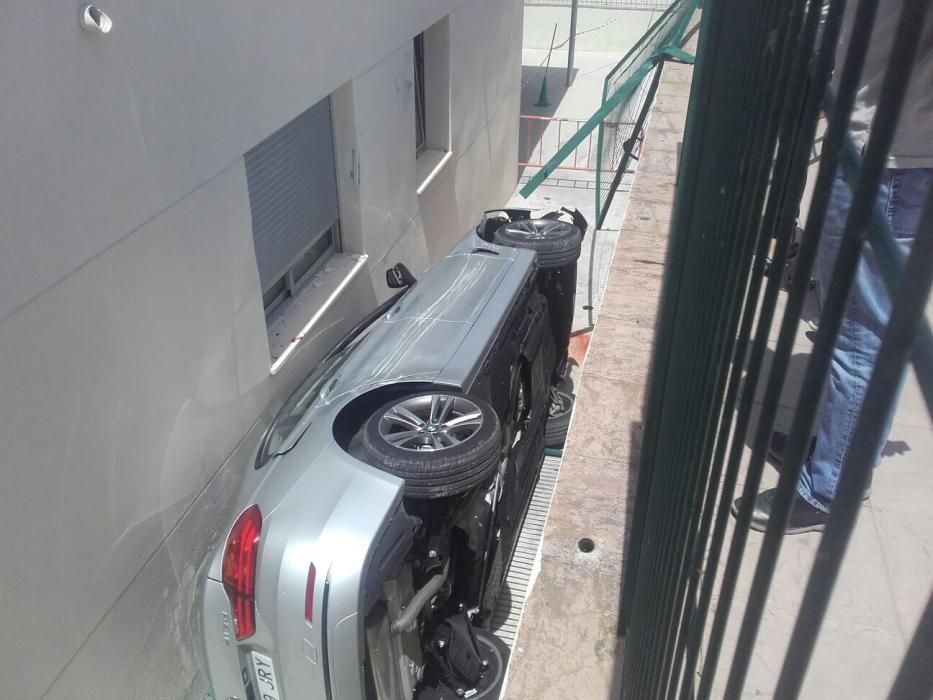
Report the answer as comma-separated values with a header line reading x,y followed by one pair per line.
x,y
266,684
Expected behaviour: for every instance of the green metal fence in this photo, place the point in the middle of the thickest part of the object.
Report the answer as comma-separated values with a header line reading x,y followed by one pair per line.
x,y
761,77
619,132
626,92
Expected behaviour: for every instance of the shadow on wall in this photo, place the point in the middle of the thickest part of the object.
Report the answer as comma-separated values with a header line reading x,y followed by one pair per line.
x,y
636,431
440,214
531,131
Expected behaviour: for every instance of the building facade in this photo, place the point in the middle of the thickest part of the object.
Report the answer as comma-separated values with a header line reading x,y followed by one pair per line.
x,y
193,208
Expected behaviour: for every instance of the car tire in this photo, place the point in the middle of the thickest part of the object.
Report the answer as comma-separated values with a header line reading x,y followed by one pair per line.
x,y
558,421
557,242
460,453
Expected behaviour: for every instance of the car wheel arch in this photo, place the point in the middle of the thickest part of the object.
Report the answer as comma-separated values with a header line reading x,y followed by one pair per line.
x,y
353,416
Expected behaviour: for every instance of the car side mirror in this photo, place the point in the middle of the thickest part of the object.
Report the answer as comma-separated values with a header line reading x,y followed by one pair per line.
x,y
399,276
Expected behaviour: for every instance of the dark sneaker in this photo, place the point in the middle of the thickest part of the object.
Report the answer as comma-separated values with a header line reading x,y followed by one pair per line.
x,y
778,445
803,516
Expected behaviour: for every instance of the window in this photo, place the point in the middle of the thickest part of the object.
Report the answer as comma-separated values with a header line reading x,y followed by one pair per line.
x,y
292,181
308,262
431,96
420,138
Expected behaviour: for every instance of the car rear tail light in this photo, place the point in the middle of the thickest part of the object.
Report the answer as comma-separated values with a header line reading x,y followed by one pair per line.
x,y
239,570
309,594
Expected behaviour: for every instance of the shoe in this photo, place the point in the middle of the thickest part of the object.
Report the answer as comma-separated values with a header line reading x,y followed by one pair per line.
x,y
778,445
803,516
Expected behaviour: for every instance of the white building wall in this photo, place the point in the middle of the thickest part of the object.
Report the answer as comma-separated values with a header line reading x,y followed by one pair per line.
x,y
132,336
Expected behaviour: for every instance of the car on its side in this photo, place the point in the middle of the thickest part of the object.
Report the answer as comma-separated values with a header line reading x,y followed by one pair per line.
x,y
374,530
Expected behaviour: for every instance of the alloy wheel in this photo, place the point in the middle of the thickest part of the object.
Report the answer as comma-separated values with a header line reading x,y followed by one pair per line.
x,y
430,422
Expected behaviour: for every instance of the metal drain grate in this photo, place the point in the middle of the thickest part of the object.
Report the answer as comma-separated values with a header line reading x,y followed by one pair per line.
x,y
508,613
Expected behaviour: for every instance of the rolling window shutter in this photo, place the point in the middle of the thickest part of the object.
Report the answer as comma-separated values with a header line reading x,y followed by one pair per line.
x,y
292,183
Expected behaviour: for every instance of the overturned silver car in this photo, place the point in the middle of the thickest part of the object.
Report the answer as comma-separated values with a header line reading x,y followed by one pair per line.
x,y
375,532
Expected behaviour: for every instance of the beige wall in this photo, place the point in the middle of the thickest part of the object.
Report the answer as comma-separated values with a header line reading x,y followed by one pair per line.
x,y
385,217
132,332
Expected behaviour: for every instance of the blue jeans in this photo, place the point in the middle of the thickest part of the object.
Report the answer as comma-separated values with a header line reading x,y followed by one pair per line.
x,y
866,315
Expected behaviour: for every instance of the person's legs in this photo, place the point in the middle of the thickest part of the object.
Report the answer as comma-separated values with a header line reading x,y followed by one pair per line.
x,y
862,329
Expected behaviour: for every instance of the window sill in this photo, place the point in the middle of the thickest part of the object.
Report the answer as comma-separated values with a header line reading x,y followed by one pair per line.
x,y
428,165
295,319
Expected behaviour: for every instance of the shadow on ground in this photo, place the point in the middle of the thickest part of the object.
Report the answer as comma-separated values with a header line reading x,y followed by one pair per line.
x,y
782,421
531,131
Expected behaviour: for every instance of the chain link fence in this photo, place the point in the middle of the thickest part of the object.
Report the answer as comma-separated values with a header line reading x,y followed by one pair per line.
x,y
619,138
604,4
620,116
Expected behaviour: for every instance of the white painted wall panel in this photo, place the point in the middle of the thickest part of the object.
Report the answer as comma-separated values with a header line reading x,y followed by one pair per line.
x,y
485,85
131,326
74,170
212,80
410,249
99,133
385,116
124,387
149,644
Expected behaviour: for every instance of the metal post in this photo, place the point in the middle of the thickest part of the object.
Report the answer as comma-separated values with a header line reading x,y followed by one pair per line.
x,y
542,96
573,40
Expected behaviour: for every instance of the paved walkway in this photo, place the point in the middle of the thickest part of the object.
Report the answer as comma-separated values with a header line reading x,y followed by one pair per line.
x,y
567,645
886,577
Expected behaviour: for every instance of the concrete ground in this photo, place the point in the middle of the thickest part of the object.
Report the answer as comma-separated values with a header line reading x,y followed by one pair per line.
x,y
886,578
567,644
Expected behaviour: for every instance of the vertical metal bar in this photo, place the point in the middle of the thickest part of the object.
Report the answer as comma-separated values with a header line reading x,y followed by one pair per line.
x,y
541,143
529,150
894,88
788,120
832,146
711,29
693,627
635,543
915,677
603,208
622,92
643,661
775,204
699,412
576,151
599,148
896,348
573,41
650,676
527,125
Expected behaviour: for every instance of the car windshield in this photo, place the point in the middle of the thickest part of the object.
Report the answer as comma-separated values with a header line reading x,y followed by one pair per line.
x,y
276,440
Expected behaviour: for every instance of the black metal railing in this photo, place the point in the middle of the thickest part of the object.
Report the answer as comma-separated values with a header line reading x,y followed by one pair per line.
x,y
761,79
